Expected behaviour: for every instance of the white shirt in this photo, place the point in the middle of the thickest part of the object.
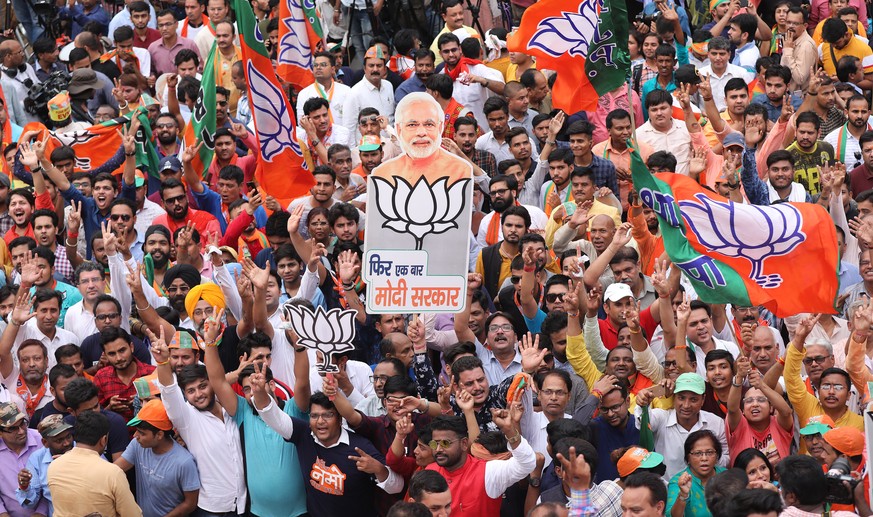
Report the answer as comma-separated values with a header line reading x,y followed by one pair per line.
x,y
80,321
730,346
283,358
354,181
359,375
337,100
494,371
676,141
144,216
670,436
538,220
718,83
372,406
853,146
487,142
123,18
338,135
30,331
473,95
215,445
145,60
365,94
746,56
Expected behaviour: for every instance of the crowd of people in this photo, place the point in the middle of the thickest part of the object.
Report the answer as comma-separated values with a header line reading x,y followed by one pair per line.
x,y
146,360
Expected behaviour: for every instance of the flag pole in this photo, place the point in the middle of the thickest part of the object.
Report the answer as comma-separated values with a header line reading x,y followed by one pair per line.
x,y
630,103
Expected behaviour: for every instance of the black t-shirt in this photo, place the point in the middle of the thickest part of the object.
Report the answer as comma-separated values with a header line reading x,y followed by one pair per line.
x,y
40,414
118,434
227,350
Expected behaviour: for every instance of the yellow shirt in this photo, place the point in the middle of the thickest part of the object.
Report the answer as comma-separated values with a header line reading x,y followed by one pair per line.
x,y
511,73
597,208
816,35
805,404
500,64
505,271
855,48
81,483
433,46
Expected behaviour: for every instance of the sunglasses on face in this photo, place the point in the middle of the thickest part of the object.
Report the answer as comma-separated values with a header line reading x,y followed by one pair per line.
x,y
120,217
554,297
174,200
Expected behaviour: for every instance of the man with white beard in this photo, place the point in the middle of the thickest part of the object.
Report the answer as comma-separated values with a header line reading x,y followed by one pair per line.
x,y
419,122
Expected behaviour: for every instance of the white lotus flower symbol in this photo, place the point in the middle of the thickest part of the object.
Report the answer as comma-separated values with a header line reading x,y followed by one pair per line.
x,y
331,332
571,33
272,118
754,233
421,210
294,46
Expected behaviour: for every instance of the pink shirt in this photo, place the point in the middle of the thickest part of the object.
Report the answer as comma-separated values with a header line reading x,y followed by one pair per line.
x,y
819,10
613,100
774,442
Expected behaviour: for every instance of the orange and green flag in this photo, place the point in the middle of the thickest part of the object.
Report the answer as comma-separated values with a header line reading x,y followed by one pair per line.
x,y
201,126
584,40
300,38
783,257
281,171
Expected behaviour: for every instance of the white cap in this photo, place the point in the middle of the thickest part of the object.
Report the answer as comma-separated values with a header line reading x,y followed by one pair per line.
x,y
617,292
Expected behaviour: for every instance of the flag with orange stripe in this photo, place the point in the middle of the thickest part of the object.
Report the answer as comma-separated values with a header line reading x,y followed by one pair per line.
x,y
300,38
281,171
201,127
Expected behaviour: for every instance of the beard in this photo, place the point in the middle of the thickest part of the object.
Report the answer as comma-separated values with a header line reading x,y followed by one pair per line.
x,y
501,204
166,138
414,152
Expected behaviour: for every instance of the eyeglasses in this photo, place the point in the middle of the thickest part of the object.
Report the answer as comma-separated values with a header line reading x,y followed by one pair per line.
x,y
368,119
121,217
174,200
611,409
499,192
168,125
82,184
820,359
380,378
703,454
445,444
554,297
548,358
670,364
554,393
506,327
759,400
835,387
393,400
106,317
221,103
321,65
180,289
329,415
515,279
21,424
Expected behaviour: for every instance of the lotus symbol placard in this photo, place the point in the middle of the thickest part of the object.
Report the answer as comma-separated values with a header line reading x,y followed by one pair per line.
x,y
420,210
330,332
735,230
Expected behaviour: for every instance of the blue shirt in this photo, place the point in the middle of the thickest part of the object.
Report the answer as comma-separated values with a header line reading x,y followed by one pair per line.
x,y
773,111
91,216
81,18
650,86
534,325
162,479
696,505
607,439
71,296
38,464
273,472
683,15
411,85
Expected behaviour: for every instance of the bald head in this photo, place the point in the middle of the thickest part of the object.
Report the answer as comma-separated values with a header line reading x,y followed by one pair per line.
x,y
763,350
10,53
601,231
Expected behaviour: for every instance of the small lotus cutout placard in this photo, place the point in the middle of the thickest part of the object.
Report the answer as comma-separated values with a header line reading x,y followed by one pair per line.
x,y
329,332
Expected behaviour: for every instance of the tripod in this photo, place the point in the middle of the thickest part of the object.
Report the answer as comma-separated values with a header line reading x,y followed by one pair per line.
x,y
474,13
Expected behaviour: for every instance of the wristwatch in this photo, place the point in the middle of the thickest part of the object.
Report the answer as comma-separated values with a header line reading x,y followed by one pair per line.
x,y
534,482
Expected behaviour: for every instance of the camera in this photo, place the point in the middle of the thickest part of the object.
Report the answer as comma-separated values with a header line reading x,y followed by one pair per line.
x,y
39,94
647,18
837,476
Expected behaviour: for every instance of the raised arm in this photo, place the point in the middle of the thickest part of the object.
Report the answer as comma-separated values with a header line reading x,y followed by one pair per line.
x,y
527,284
214,369
302,388
19,316
343,406
712,113
194,181
621,238
784,413
462,319
259,278
735,415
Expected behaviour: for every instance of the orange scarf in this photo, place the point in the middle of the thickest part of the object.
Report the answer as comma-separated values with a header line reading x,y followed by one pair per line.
x,y
31,401
463,65
493,234
204,18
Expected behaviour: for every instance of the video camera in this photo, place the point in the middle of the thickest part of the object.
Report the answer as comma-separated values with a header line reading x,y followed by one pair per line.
x,y
837,476
39,94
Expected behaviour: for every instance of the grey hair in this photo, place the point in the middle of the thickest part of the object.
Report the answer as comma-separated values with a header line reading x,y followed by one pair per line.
x,y
822,343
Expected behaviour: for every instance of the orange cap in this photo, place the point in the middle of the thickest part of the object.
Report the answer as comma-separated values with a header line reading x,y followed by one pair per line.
x,y
848,440
153,413
637,457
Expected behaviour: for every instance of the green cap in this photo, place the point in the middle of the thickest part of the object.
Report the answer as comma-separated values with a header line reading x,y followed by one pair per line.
x,y
690,382
10,414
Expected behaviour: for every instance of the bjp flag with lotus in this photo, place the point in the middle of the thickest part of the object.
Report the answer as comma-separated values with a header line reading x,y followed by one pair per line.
x,y
584,40
783,256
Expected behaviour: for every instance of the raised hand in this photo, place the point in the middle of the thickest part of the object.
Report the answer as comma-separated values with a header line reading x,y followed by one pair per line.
x,y
577,473
787,108
28,156
366,463
191,152
744,366
605,384
684,483
23,305
212,327
244,287
632,316
705,88
474,281
74,218
683,311
555,125
294,220
160,351
348,270
659,278
531,355
862,319
580,217
804,327
238,130
593,302
464,400
697,163
622,235
258,380
258,276
29,270
403,426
